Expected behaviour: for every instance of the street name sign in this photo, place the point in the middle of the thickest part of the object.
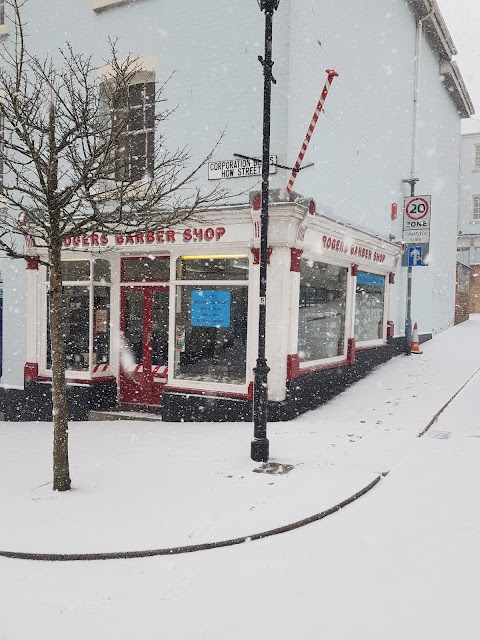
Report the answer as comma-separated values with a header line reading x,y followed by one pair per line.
x,y
238,168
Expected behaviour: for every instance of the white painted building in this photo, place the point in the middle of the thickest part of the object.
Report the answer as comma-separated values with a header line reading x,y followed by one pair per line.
x,y
336,293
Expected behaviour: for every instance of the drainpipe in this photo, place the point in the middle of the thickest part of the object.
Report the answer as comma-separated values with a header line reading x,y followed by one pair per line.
x,y
416,82
413,169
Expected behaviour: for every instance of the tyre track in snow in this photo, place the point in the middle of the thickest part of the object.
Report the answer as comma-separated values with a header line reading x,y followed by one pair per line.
x,y
170,551
442,409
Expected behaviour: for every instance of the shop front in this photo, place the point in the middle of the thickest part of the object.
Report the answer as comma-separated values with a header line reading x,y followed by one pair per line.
x,y
167,321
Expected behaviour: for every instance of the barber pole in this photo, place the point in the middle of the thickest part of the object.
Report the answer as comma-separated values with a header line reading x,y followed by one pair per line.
x,y
331,75
133,369
160,374
255,211
100,368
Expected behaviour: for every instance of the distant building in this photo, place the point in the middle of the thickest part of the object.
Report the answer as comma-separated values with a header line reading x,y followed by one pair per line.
x,y
169,320
469,220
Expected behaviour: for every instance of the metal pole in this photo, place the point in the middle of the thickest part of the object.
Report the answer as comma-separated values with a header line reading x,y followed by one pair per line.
x,y
408,315
408,318
260,445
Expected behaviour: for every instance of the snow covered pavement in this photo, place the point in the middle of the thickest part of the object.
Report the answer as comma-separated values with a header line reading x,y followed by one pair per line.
x,y
400,563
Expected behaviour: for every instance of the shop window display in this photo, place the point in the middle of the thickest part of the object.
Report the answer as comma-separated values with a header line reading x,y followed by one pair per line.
x,y
321,323
369,306
211,320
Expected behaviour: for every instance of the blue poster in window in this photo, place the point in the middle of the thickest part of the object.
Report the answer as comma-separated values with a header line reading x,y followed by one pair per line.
x,y
210,308
371,279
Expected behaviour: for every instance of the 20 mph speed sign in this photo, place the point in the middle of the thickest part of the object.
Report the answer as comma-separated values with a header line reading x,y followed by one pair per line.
x,y
416,219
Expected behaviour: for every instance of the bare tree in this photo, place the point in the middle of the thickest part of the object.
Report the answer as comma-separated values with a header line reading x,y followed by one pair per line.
x,y
82,153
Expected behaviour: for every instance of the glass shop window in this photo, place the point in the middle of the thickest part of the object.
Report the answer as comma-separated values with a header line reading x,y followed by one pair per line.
x,y
76,313
146,269
101,325
321,322
211,333
160,315
213,268
369,306
102,271
134,321
77,301
75,270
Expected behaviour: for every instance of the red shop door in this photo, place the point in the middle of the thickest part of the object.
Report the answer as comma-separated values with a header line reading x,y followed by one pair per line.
x,y
144,351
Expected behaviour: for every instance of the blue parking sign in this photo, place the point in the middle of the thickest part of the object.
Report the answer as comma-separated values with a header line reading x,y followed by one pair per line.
x,y
415,258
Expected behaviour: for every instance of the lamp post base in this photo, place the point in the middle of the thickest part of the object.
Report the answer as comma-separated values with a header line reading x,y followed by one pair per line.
x,y
260,450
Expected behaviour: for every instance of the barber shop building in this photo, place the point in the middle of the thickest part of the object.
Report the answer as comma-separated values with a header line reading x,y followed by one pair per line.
x,y
167,320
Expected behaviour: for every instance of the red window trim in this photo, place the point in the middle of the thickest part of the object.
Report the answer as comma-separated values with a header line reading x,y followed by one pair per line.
x,y
321,367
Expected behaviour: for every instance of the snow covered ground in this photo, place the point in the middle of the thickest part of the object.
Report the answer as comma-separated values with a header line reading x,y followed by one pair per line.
x,y
402,562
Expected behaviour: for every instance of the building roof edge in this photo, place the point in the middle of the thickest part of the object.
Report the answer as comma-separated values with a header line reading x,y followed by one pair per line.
x,y
442,43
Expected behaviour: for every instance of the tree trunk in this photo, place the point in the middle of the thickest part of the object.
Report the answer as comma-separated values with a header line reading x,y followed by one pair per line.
x,y
61,471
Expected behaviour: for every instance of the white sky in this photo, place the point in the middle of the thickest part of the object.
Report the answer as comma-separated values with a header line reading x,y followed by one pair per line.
x,y
463,21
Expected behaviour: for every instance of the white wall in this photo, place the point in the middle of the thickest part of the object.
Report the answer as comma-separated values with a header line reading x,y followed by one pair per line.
x,y
210,47
362,144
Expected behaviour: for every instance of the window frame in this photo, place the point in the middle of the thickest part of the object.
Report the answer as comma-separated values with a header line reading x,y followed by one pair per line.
x,y
333,360
4,28
203,385
88,373
140,111
476,157
386,297
474,197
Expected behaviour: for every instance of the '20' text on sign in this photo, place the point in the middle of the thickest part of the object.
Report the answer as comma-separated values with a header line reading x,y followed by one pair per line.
x,y
416,219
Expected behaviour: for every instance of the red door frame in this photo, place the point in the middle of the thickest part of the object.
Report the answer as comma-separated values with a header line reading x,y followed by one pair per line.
x,y
139,387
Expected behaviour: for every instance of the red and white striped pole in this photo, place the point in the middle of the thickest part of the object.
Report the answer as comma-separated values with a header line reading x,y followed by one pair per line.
x,y
331,75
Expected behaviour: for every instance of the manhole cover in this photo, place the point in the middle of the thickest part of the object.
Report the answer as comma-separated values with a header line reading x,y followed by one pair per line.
x,y
274,468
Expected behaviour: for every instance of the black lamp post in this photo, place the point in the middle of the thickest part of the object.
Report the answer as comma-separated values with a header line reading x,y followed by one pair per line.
x,y
260,446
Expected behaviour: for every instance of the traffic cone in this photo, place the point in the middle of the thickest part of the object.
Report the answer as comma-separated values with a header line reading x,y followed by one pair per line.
x,y
415,343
